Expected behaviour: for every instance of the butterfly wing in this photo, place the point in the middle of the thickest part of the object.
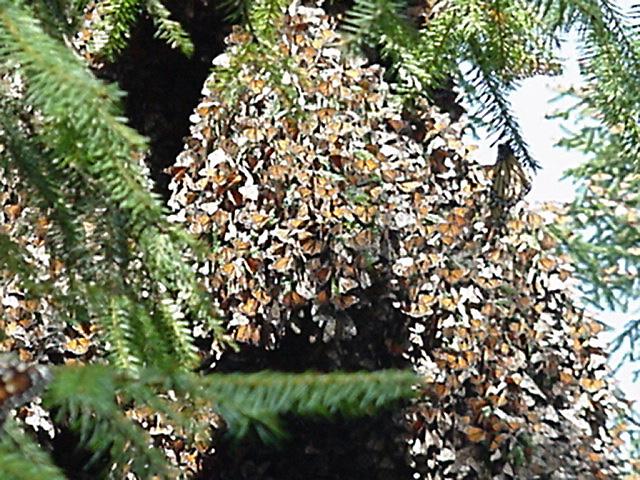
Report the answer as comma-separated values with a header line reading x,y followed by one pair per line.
x,y
510,183
19,383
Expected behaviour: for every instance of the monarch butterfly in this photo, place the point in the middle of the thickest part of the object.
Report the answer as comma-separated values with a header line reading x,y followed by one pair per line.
x,y
248,333
510,183
19,382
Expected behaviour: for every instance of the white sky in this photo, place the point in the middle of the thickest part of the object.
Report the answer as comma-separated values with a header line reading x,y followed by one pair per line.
x,y
531,103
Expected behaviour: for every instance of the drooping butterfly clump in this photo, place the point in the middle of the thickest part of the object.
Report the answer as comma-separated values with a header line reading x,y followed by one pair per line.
x,y
314,187
323,196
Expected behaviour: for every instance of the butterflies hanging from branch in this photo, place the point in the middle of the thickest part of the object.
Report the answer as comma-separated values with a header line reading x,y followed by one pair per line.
x,y
19,383
510,184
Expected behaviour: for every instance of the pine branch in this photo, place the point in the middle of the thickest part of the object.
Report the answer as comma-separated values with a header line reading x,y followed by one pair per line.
x,y
170,274
94,413
23,459
179,336
600,229
611,63
263,17
246,400
169,30
503,41
495,111
56,196
365,17
615,22
116,18
86,134
236,11
53,15
112,31
118,329
84,113
12,258
627,342
634,16
422,59
558,15
27,156
256,400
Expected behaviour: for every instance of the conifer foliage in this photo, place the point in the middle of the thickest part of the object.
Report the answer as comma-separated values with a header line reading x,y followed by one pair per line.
x,y
600,227
106,27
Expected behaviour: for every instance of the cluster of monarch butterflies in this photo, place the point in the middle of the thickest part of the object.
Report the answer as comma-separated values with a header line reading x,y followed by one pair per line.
x,y
19,383
510,184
